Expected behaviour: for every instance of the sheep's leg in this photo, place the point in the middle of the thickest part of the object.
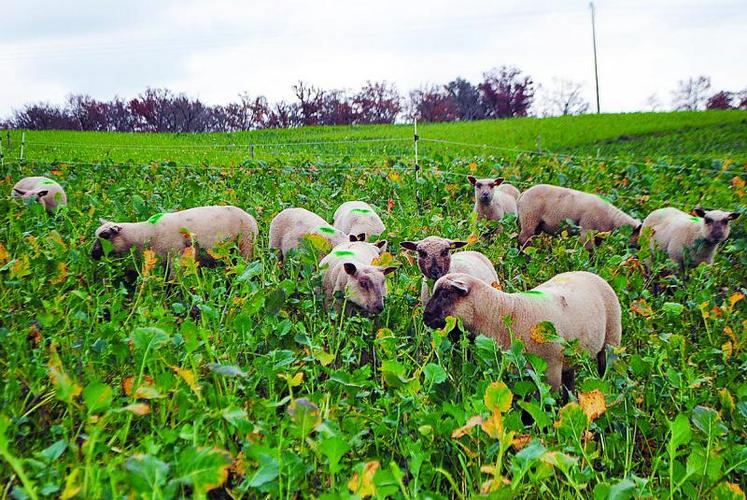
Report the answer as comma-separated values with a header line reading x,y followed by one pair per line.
x,y
554,374
568,376
530,226
246,246
602,361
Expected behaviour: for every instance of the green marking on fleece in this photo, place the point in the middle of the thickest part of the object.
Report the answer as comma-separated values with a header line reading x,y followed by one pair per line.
x,y
360,211
344,253
155,218
696,219
327,229
534,293
48,182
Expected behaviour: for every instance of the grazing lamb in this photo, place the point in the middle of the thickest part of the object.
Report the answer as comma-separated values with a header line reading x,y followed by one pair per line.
x,y
289,227
355,217
579,304
348,268
689,240
435,260
493,199
48,192
545,207
165,233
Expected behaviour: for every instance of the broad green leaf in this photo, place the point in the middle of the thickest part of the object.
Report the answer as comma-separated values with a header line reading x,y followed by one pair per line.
x,y
53,451
498,397
334,448
434,374
146,473
149,338
680,433
97,396
202,468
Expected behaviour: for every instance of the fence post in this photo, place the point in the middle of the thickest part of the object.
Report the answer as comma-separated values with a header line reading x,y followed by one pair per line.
x,y
415,139
539,143
2,155
7,135
251,150
23,143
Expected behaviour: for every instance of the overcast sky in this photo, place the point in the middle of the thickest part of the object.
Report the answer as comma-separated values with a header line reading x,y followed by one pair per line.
x,y
218,48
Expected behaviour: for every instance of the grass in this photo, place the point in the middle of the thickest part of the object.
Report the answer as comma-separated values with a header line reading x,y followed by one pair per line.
x,y
237,380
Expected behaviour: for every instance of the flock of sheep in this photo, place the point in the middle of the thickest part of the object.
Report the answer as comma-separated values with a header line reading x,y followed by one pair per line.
x,y
580,305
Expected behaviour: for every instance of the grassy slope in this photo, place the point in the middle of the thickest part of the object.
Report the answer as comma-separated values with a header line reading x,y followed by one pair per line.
x,y
389,390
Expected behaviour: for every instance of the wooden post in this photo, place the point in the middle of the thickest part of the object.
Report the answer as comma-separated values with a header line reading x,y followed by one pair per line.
x,y
539,143
2,156
23,143
251,150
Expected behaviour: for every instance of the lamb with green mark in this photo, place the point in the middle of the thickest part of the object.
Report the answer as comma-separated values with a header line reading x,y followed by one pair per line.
x,y
46,191
291,225
355,217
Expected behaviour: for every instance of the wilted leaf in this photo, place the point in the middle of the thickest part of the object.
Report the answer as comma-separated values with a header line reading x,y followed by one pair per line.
x,y
642,308
498,397
305,415
189,378
592,403
72,488
493,425
363,484
138,409
466,428
203,469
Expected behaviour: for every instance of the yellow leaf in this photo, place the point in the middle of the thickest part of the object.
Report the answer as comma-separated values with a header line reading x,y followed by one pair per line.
x,y
383,260
592,403
128,382
363,484
727,348
472,239
189,378
20,267
471,422
139,409
149,261
318,242
394,176
493,425
521,441
735,489
642,308
293,381
3,254
497,286
735,297
71,487
61,274
472,167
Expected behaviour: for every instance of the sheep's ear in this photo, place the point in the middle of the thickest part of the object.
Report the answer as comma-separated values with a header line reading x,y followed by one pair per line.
x,y
19,191
457,244
389,270
41,194
381,245
102,221
115,229
350,268
637,229
734,215
409,245
353,237
472,179
460,287
498,181
362,237
699,211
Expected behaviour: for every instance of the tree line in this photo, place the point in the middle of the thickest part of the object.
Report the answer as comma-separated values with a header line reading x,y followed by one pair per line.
x,y
503,92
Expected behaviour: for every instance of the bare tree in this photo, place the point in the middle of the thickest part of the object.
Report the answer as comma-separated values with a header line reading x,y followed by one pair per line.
x,y
653,103
564,97
691,94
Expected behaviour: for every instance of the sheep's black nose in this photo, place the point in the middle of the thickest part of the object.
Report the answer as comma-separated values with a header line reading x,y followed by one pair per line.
x,y
97,251
433,321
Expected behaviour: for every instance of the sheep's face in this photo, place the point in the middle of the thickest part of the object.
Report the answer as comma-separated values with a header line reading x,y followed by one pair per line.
x,y
434,254
31,194
484,188
450,298
111,232
366,286
715,224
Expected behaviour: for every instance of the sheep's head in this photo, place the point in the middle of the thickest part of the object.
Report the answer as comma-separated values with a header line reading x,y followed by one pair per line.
x,y
31,194
366,286
434,254
450,298
484,188
715,224
112,232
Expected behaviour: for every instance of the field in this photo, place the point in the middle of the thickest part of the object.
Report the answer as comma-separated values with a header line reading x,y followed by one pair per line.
x,y
237,382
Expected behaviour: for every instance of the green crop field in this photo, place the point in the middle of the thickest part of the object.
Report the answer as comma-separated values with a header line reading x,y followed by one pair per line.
x,y
117,379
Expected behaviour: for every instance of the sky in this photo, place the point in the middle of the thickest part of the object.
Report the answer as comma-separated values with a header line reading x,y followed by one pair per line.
x,y
218,49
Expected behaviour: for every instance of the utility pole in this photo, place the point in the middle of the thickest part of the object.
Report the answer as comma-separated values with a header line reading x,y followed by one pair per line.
x,y
594,40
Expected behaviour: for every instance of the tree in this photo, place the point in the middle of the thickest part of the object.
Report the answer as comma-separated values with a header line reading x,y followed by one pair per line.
x,y
310,103
691,94
432,104
720,100
565,98
377,102
653,103
506,92
89,113
43,116
466,98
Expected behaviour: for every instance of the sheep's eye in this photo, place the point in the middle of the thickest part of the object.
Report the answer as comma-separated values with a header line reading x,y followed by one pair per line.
x,y
445,253
105,234
478,185
364,285
708,221
422,253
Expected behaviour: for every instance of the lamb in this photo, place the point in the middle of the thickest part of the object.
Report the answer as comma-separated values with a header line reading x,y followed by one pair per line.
x,y
544,208
355,217
493,198
689,240
48,192
580,305
348,268
289,227
435,260
165,234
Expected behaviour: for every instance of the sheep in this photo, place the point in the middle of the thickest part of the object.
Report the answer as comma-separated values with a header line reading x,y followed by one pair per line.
x,y
493,198
348,268
356,217
48,192
435,259
289,227
165,234
689,240
544,208
581,305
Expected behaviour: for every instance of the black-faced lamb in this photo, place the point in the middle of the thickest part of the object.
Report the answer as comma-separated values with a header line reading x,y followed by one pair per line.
x,y
689,240
493,198
544,208
169,234
580,305
356,217
435,260
46,191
